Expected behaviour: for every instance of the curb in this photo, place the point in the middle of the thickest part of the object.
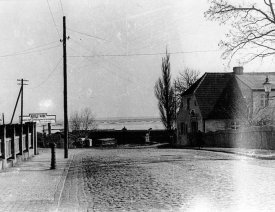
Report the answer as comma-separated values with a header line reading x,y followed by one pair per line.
x,y
261,157
140,147
60,186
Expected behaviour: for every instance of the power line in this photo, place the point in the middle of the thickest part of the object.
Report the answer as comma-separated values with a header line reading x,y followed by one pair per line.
x,y
105,68
43,45
60,1
54,69
83,33
29,52
32,48
143,54
53,19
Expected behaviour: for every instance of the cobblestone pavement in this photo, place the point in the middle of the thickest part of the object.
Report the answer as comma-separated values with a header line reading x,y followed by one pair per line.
x,y
167,180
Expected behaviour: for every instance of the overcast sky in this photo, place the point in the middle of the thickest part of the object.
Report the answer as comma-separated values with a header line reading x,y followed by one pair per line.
x,y
112,86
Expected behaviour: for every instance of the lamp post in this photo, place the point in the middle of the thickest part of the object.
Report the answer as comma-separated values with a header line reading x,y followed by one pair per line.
x,y
267,89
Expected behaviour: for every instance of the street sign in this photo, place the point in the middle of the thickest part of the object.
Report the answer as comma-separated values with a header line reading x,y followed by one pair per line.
x,y
39,118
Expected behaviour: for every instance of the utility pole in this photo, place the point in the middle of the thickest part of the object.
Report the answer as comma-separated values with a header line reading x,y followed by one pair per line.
x,y
175,99
21,117
16,105
65,90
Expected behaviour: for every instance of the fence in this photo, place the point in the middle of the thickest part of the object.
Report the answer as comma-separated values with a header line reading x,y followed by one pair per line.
x,y
254,137
16,144
24,142
15,141
131,136
127,136
30,140
9,147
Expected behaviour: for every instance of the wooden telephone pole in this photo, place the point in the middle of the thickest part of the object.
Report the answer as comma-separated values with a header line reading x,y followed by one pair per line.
x,y
20,94
65,90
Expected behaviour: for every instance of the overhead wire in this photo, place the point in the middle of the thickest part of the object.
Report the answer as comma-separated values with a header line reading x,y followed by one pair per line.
x,y
84,33
60,1
53,19
54,69
144,54
104,67
35,47
29,52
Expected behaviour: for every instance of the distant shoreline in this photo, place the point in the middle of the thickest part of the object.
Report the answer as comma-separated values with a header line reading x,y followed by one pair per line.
x,y
121,119
130,123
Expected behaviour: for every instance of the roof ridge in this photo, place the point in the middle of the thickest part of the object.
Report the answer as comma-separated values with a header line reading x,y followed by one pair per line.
x,y
202,78
218,72
255,73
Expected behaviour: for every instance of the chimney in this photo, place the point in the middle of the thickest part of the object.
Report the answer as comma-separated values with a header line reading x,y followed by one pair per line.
x,y
238,70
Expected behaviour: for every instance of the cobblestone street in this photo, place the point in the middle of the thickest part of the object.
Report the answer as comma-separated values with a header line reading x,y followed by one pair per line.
x,y
167,180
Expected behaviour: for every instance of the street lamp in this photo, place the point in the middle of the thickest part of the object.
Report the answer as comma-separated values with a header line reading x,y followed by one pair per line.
x,y
267,89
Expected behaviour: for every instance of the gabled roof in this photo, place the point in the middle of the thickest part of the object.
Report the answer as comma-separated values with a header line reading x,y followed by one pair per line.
x,y
231,104
255,80
219,96
193,87
208,90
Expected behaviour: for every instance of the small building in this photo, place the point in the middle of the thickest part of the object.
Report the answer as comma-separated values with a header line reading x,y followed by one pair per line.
x,y
219,101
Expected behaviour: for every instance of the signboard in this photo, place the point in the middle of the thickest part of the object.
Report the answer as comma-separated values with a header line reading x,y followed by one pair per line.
x,y
40,118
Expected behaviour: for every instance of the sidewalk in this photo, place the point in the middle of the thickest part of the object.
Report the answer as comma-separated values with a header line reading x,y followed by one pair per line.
x,y
32,185
254,153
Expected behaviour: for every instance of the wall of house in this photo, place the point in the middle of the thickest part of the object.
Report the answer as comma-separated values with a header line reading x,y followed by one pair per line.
x,y
215,125
184,117
257,97
246,92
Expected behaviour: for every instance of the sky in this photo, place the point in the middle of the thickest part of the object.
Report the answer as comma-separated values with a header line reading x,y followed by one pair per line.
x,y
114,53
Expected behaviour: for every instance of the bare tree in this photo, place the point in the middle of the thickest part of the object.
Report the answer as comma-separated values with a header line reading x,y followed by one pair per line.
x,y
83,120
184,81
88,119
252,27
75,121
164,92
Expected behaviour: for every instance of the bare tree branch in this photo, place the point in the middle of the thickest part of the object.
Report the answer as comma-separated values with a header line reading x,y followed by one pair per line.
x,y
252,25
82,121
184,81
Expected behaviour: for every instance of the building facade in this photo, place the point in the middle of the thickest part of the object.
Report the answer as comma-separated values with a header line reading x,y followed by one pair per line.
x,y
219,101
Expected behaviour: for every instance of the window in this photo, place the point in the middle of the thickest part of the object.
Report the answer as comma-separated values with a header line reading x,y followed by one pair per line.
x,y
263,100
235,125
192,113
183,128
194,127
188,103
195,102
